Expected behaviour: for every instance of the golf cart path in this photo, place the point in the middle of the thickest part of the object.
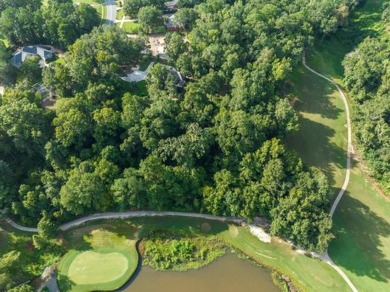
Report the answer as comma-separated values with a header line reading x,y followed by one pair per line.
x,y
325,256
132,214
349,147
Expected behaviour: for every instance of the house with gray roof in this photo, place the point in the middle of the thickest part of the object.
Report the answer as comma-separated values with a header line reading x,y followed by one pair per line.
x,y
20,55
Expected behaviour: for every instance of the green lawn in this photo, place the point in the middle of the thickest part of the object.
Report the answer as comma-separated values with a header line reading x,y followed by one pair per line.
x,y
362,220
308,274
119,14
130,27
97,4
100,260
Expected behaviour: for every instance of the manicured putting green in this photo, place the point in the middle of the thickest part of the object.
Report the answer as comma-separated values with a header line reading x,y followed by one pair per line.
x,y
92,267
102,261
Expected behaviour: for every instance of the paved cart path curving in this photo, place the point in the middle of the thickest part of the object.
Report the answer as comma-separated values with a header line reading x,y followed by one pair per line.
x,y
325,256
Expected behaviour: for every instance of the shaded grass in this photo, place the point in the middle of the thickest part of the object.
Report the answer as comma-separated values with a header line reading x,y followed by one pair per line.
x,y
361,222
362,228
321,140
159,30
328,54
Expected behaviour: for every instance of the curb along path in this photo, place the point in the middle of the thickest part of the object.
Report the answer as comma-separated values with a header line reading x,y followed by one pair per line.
x,y
325,256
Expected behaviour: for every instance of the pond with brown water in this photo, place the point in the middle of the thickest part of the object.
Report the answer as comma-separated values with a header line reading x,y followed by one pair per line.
x,y
227,274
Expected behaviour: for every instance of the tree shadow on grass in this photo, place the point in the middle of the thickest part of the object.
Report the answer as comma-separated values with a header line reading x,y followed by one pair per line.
x,y
64,283
357,246
314,146
180,225
314,95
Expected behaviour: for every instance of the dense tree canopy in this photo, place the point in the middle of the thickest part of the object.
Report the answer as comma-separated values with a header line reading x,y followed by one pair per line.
x,y
58,23
367,76
132,7
212,144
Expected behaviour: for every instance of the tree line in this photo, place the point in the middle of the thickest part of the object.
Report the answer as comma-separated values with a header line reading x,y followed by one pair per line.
x,y
59,22
367,77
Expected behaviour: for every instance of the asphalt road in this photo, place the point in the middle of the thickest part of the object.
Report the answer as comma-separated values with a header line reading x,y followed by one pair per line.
x,y
111,12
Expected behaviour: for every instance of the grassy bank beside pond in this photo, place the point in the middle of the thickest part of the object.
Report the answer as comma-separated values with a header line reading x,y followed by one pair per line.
x,y
305,272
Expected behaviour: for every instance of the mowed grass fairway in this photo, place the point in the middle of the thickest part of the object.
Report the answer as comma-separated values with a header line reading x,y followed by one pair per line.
x,y
103,261
361,222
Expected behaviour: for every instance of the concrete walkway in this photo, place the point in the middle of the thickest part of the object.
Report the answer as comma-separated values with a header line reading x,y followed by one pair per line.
x,y
138,75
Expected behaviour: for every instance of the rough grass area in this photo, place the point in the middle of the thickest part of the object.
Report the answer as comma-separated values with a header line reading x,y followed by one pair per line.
x,y
362,220
166,251
103,261
30,263
321,139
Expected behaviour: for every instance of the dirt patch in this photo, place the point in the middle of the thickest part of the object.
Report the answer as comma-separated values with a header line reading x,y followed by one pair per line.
x,y
157,44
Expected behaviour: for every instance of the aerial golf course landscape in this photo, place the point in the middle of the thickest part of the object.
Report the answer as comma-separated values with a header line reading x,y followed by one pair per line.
x,y
234,152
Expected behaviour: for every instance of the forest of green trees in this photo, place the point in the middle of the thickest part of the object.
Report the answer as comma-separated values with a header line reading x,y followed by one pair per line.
x,y
367,76
58,23
214,145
